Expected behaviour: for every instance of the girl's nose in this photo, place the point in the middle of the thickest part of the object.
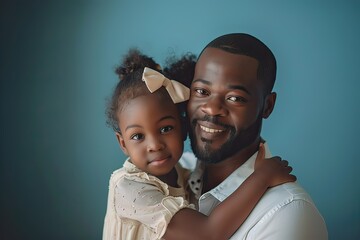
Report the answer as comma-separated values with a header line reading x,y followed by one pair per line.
x,y
155,144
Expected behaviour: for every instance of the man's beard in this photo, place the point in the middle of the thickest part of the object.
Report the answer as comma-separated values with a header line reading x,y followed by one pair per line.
x,y
236,142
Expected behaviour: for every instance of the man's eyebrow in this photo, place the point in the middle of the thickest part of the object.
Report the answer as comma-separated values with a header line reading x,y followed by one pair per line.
x,y
202,81
239,87
235,87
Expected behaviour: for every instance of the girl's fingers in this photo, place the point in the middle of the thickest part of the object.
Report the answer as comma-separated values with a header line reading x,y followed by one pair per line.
x,y
285,163
261,152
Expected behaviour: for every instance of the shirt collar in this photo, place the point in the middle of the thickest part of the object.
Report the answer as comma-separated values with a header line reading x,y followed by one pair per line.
x,y
230,184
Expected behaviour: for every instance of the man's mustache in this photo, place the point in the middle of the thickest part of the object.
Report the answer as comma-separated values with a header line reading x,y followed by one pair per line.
x,y
214,120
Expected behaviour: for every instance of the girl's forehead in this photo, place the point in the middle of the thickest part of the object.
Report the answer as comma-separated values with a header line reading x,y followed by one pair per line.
x,y
151,103
147,112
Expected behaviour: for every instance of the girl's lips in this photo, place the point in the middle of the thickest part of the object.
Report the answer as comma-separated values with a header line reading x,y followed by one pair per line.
x,y
159,161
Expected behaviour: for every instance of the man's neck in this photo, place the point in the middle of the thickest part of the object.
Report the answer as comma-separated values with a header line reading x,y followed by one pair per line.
x,y
216,173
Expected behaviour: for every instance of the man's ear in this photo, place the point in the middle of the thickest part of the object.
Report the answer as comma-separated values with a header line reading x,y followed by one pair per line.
x,y
269,104
121,142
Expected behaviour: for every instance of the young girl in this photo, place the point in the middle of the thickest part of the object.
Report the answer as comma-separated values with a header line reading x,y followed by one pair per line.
x,y
147,197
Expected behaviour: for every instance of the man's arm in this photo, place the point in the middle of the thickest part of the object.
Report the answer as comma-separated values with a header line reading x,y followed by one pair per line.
x,y
228,216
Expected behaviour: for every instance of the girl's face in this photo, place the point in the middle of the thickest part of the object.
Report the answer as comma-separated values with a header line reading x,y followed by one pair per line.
x,y
151,133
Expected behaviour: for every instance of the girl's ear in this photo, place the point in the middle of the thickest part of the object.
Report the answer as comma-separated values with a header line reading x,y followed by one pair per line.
x,y
269,105
121,143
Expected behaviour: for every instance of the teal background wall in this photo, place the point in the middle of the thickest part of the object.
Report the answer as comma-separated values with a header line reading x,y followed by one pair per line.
x,y
56,68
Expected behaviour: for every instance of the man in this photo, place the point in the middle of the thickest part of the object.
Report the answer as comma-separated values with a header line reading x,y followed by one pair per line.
x,y
231,94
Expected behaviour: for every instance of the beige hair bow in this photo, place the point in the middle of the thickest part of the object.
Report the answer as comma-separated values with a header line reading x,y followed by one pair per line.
x,y
155,80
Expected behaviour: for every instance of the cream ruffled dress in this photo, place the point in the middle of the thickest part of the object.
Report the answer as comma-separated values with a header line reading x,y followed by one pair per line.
x,y
140,206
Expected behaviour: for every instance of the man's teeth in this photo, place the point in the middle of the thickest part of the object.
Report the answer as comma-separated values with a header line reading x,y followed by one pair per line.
x,y
210,130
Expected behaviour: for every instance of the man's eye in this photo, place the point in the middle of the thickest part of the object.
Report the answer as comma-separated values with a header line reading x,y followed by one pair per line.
x,y
237,99
137,136
166,129
201,91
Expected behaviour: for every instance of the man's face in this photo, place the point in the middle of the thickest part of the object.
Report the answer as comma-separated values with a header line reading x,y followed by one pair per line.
x,y
226,105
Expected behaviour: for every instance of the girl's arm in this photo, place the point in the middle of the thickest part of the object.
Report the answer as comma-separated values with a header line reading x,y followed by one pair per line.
x,y
227,217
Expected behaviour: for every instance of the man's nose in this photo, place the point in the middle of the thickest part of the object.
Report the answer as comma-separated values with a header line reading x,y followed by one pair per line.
x,y
214,106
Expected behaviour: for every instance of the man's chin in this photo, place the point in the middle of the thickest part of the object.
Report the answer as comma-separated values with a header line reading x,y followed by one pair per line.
x,y
207,154
210,153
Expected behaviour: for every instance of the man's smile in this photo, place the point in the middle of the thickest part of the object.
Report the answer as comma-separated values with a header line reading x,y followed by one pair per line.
x,y
210,130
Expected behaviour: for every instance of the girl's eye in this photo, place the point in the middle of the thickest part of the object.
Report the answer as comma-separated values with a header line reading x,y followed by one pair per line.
x,y
237,99
201,91
137,136
166,129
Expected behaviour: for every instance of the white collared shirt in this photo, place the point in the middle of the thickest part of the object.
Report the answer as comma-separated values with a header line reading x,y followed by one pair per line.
x,y
285,212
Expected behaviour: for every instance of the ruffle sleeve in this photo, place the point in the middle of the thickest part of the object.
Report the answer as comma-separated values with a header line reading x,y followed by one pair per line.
x,y
141,207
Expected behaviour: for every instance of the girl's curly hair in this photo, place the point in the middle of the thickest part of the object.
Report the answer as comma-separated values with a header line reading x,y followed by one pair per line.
x,y
131,85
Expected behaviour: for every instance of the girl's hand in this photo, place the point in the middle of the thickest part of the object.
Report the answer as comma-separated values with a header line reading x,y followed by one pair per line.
x,y
274,171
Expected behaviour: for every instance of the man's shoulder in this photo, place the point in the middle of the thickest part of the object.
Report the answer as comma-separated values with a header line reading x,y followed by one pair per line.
x,y
286,205
287,192
283,196
289,206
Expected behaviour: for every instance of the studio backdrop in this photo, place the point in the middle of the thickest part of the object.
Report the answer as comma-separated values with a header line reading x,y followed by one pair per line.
x,y
57,64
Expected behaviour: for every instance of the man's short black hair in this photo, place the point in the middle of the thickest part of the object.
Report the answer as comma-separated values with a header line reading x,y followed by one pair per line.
x,y
245,44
